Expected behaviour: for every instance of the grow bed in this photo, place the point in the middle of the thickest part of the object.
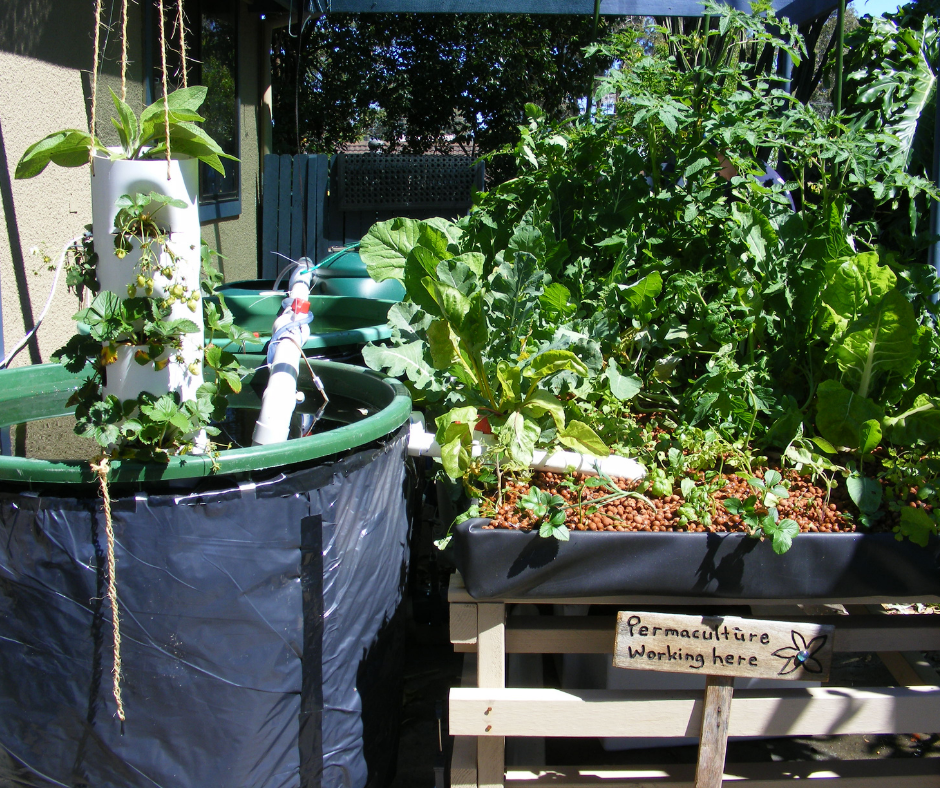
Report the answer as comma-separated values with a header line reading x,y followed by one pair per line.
x,y
629,547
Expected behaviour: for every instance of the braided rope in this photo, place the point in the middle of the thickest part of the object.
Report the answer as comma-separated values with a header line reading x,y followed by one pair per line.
x,y
124,50
166,103
101,470
182,26
94,83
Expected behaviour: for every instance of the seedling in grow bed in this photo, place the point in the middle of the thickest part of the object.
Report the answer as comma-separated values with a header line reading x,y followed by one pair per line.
x,y
760,514
549,511
698,505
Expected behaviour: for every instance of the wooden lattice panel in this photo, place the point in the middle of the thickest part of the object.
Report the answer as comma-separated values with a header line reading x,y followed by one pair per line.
x,y
380,182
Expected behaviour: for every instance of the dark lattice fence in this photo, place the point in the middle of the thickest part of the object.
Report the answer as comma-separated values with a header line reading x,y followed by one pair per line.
x,y
312,205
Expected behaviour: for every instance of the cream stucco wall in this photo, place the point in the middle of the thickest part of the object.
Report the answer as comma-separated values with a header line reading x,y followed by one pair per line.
x,y
37,98
46,53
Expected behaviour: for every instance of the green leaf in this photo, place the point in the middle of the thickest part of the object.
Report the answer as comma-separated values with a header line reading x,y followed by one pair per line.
x,y
642,296
518,437
441,345
856,283
557,297
510,381
783,534
865,493
181,104
406,359
869,436
213,356
917,525
539,402
823,445
162,409
552,361
473,260
386,246
420,269
733,505
840,414
69,148
579,437
623,387
560,532
772,478
882,340
127,127
455,436
919,424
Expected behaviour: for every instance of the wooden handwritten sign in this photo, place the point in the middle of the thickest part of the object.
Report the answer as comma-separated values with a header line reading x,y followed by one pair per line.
x,y
723,646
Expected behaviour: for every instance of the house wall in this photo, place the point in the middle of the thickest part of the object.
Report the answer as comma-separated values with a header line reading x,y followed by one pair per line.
x,y
46,55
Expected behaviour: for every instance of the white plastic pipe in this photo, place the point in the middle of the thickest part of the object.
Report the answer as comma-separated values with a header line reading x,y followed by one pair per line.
x,y
422,444
291,330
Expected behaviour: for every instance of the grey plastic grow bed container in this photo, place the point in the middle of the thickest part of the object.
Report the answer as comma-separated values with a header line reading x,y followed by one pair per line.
x,y
856,567
260,603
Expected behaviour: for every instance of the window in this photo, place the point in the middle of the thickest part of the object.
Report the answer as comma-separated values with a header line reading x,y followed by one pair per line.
x,y
212,50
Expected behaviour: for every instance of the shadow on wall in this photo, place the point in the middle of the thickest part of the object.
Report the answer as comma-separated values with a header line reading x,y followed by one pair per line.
x,y
16,250
60,32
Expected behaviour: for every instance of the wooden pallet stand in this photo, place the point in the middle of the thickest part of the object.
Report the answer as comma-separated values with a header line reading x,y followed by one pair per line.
x,y
481,716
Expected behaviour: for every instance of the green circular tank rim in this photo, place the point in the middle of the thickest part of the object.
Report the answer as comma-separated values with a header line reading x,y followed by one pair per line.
x,y
40,392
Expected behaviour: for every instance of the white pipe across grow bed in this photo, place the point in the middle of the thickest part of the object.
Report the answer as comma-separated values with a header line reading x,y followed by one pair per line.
x,y
422,444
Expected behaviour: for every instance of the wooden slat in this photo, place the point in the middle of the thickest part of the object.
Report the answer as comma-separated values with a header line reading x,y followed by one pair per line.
x,y
269,215
895,773
333,217
479,176
316,196
713,740
463,624
790,712
463,762
284,210
298,212
491,672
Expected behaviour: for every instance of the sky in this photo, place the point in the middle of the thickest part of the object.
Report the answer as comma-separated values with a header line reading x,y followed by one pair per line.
x,y
874,7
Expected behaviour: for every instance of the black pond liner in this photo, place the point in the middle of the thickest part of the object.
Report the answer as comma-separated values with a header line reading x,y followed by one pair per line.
x,y
262,644
510,564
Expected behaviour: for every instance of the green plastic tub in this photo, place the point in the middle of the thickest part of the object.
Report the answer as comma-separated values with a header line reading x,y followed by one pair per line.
x,y
339,321
368,406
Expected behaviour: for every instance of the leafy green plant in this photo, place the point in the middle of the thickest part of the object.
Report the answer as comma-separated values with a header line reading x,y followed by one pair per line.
x,y
548,511
487,350
150,427
141,138
759,511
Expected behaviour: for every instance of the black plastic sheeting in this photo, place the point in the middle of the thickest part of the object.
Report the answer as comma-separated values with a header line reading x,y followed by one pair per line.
x,y
508,564
260,625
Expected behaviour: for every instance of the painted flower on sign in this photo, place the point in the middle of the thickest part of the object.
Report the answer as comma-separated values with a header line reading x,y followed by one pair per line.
x,y
801,654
